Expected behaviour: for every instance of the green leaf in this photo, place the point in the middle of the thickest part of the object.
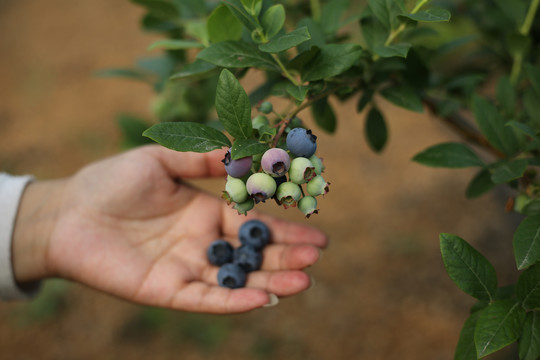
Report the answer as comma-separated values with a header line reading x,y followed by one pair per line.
x,y
237,9
174,44
400,50
273,20
365,99
316,33
247,147
386,11
374,33
506,95
528,288
222,25
187,136
448,155
403,96
492,125
499,325
527,242
533,74
159,8
197,68
375,130
286,41
465,349
529,342
237,54
297,92
253,6
233,107
133,74
524,129
469,269
532,208
480,184
430,15
132,129
324,116
333,60
333,12
507,171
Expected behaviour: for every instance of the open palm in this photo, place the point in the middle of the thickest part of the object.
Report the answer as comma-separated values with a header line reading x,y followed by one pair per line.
x,y
129,226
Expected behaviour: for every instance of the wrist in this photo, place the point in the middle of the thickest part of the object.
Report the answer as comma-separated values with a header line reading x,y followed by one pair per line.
x,y
36,218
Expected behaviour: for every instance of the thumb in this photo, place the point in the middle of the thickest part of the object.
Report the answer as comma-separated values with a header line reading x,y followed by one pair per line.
x,y
190,164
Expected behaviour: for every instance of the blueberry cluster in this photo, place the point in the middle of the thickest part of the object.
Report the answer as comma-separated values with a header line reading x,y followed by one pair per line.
x,y
279,173
235,264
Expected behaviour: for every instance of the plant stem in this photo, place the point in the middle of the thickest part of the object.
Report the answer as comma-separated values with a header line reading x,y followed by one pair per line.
x,y
285,71
315,9
394,33
523,30
527,23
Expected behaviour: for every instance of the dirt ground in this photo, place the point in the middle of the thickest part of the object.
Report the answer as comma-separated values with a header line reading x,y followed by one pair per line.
x,y
381,291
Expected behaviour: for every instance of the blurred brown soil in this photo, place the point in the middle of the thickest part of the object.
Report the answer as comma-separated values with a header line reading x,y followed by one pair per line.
x,y
381,290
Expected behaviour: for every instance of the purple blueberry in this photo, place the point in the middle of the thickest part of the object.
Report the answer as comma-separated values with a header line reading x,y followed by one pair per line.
x,y
237,168
254,233
301,142
231,276
220,252
276,162
261,186
248,258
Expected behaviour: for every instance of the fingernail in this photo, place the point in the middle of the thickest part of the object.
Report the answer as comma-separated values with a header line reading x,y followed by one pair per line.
x,y
274,300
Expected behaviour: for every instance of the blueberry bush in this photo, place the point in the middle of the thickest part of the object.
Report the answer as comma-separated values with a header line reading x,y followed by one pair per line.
x,y
472,64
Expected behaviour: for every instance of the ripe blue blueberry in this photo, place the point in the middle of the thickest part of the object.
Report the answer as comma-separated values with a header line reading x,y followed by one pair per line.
x,y
248,258
261,186
235,191
232,276
276,162
254,233
288,194
317,186
266,107
237,168
301,142
220,252
308,205
301,170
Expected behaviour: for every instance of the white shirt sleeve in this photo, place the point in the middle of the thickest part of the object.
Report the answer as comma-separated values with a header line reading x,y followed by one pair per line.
x,y
11,190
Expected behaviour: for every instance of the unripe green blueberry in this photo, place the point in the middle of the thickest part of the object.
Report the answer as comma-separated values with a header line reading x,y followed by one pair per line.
x,y
301,170
257,158
308,205
266,107
317,186
261,186
288,194
235,191
244,207
258,121
317,164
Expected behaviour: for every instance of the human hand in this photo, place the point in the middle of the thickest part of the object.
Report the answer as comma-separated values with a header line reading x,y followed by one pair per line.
x,y
130,227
